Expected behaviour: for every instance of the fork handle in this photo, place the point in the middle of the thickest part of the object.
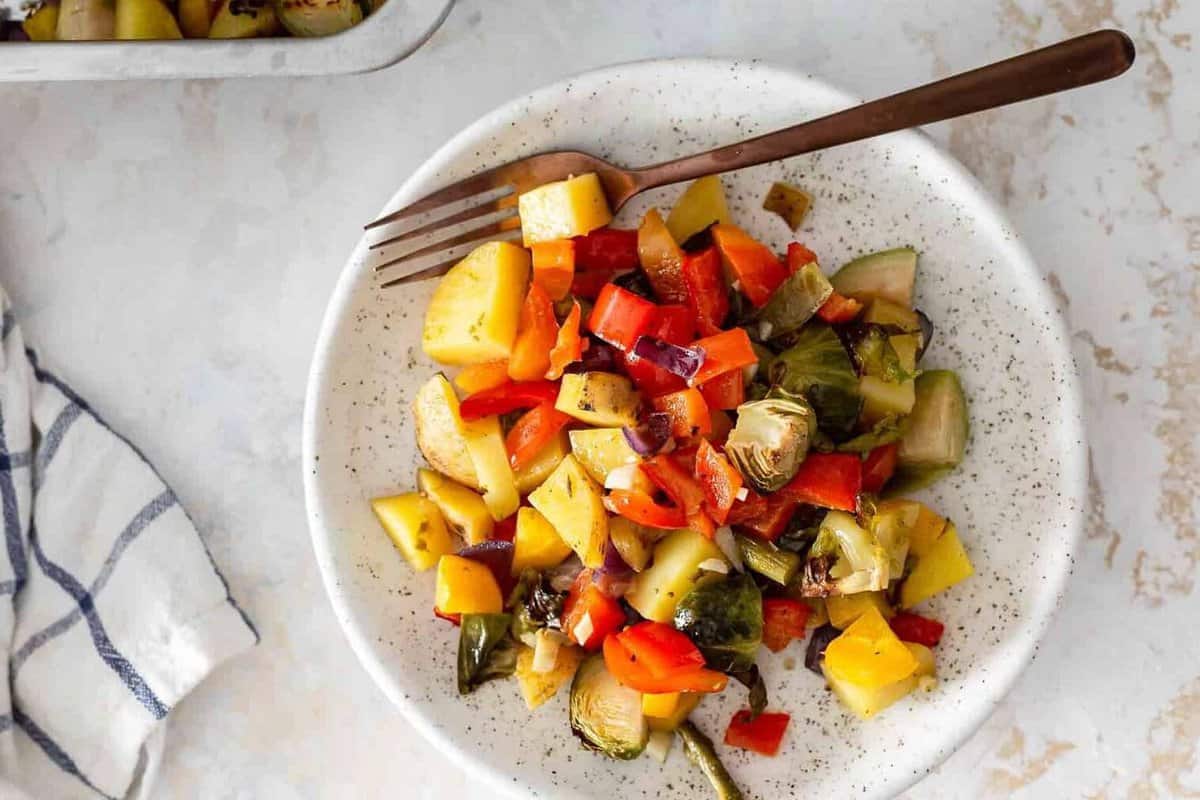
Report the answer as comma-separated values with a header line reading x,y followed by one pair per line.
x,y
1076,62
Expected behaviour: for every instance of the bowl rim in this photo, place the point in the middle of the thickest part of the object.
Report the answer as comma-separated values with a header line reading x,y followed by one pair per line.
x,y
1024,641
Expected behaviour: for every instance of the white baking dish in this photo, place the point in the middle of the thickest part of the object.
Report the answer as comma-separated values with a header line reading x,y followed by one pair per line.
x,y
385,37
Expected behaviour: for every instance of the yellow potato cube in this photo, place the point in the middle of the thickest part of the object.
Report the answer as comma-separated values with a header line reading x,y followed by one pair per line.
x,y
927,530
532,474
416,528
599,398
572,502
485,444
473,314
536,544
943,565
466,587
462,508
538,687
843,610
563,209
601,450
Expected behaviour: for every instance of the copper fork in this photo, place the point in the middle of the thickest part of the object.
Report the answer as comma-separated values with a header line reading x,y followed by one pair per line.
x,y
439,229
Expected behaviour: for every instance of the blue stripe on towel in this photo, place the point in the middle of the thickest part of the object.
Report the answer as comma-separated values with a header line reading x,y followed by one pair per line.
x,y
52,750
52,439
150,512
14,460
46,377
12,518
104,646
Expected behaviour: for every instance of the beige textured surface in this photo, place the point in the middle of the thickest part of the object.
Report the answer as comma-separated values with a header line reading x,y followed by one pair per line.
x,y
170,247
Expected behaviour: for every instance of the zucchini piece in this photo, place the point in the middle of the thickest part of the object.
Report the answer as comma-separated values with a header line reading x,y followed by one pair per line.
x,y
768,560
884,312
701,205
889,274
884,398
605,715
789,202
936,437
673,573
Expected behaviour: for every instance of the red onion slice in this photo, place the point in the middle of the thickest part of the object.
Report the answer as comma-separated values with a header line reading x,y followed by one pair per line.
x,y
682,361
648,438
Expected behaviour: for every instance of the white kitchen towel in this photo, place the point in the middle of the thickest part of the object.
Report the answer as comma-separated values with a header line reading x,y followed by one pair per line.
x,y
110,604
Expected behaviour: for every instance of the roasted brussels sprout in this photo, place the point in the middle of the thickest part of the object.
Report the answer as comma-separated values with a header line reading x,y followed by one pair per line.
x,y
770,440
724,619
816,365
605,715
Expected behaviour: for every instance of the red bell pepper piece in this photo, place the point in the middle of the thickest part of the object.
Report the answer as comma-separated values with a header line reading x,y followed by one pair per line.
x,y
453,619
620,316
762,734
688,412
663,650
506,529
568,347
771,523
830,480
629,670
674,324
609,250
719,480
537,332
879,466
784,619
589,284
722,425
756,268
724,352
507,397
586,598
706,290
797,256
915,628
532,433
676,482
743,511
839,309
554,266
725,392
640,507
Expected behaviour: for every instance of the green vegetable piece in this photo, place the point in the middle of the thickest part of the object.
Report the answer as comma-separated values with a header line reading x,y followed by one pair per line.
x,y
794,302
887,430
752,679
605,715
889,274
771,439
700,751
817,366
874,354
724,619
484,650
938,428
768,560
789,202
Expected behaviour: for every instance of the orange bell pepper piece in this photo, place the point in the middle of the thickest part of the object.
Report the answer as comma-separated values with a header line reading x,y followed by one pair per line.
x,y
537,333
568,346
688,412
554,266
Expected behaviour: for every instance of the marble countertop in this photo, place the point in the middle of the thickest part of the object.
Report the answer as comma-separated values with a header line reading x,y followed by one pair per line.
x,y
170,247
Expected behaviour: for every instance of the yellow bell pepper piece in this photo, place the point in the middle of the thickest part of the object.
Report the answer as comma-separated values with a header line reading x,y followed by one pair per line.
x,y
660,706
944,564
416,528
843,610
927,529
869,654
466,587
684,705
536,544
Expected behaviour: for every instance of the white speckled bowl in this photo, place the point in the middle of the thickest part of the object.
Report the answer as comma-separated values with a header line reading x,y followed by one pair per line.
x,y
1017,498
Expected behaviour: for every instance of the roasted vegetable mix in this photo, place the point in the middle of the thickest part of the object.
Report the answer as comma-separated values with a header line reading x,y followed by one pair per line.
x,y
671,447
